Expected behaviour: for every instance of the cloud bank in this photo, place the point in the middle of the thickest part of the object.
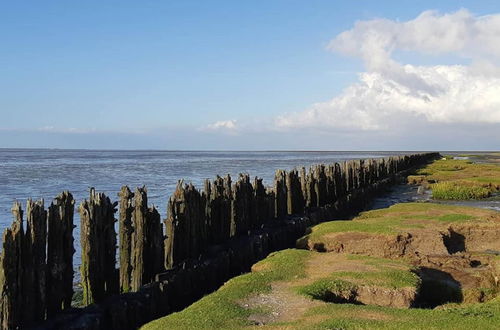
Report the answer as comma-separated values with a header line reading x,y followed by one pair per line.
x,y
394,95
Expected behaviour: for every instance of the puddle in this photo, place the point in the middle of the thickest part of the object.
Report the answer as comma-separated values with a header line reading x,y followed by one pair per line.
x,y
404,193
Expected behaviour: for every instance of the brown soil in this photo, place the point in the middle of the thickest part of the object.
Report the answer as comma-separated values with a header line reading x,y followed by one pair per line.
x,y
282,302
413,243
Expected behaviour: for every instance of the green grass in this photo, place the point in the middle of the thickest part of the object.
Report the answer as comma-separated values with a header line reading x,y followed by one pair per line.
x,y
384,273
452,217
394,219
457,190
221,310
346,316
344,283
459,179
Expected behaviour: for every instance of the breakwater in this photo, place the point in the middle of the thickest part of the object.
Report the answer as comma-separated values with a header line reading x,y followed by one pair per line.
x,y
211,235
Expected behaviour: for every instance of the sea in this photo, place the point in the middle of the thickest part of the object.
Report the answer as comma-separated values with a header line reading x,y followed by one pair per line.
x,y
44,173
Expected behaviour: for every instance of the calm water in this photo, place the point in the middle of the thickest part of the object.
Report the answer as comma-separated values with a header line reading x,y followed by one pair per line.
x,y
41,173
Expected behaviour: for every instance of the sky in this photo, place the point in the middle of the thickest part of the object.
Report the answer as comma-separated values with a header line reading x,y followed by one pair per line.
x,y
250,75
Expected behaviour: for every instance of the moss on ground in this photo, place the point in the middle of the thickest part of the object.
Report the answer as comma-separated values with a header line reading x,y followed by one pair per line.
x,y
400,217
459,179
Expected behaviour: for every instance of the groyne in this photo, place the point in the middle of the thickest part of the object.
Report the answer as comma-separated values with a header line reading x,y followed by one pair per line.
x,y
209,236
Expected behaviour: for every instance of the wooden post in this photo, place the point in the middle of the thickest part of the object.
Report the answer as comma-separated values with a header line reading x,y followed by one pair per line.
x,y
125,232
99,276
271,203
147,241
60,252
295,199
11,272
241,206
281,194
260,207
217,211
176,228
339,181
35,264
320,185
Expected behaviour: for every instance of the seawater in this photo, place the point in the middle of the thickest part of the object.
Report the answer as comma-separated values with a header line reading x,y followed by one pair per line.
x,y
44,173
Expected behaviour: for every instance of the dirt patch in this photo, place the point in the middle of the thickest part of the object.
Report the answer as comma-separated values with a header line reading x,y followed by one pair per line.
x,y
412,243
373,295
281,304
405,244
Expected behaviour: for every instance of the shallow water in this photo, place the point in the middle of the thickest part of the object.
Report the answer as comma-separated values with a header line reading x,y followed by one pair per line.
x,y
38,173
404,193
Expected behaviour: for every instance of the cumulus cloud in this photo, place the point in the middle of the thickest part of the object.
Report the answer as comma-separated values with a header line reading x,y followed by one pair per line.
x,y
390,93
227,126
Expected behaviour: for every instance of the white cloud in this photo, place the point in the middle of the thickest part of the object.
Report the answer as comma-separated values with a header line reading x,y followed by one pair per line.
x,y
392,94
70,130
227,126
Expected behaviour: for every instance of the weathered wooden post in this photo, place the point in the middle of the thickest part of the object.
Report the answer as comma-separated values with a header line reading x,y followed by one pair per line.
x,y
11,272
185,225
340,188
260,207
280,191
147,241
303,186
177,228
350,175
60,252
218,209
320,184
308,184
99,276
125,229
271,203
241,206
35,264
227,206
295,199
330,183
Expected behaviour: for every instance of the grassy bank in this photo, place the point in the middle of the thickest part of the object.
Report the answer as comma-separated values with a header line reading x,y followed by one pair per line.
x,y
221,309
459,179
398,218
304,289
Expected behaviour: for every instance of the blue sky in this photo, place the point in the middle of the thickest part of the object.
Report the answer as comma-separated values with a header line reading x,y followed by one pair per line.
x,y
159,74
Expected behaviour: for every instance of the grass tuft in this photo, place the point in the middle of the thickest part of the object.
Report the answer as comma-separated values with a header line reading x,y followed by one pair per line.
x,y
459,179
458,190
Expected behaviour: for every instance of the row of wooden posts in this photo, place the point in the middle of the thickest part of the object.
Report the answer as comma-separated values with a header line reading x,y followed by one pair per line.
x,y
36,263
